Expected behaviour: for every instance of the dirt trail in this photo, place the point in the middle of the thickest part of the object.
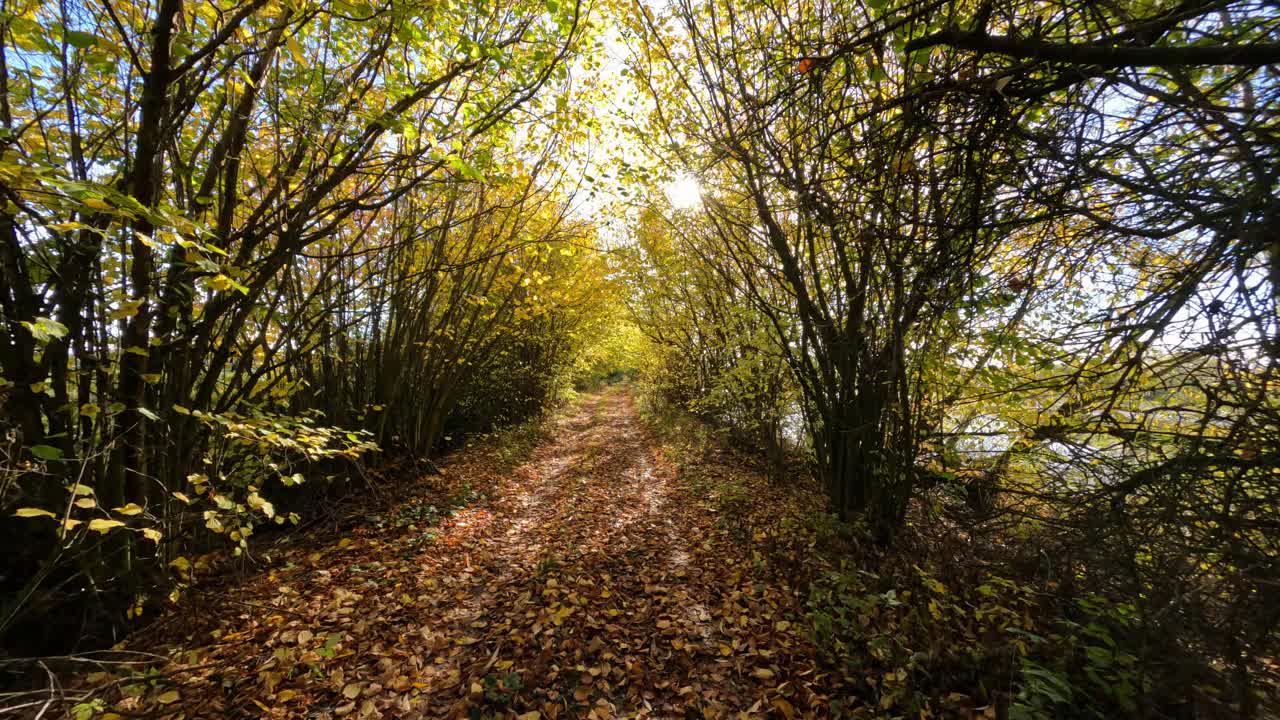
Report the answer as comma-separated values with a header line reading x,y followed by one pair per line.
x,y
592,582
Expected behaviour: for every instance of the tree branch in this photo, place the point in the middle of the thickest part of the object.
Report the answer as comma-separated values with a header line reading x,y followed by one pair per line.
x,y
1103,55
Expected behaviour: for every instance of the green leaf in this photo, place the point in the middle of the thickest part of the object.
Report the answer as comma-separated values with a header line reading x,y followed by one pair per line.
x,y
464,168
46,452
86,710
45,329
81,40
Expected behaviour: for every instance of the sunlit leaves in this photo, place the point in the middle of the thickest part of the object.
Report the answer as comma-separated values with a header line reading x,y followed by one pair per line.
x,y
44,329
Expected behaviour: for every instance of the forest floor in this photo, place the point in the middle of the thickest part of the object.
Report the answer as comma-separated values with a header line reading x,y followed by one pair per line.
x,y
592,579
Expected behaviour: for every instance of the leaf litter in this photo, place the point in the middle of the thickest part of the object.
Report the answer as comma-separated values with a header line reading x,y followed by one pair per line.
x,y
592,581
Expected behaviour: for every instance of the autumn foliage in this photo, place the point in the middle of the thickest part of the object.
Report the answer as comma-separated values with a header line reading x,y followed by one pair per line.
x,y
949,333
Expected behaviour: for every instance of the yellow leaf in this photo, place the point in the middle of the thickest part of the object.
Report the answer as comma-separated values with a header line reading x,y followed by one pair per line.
x,y
351,691
85,503
33,512
130,509
151,534
222,283
127,309
168,698
256,502
103,526
295,49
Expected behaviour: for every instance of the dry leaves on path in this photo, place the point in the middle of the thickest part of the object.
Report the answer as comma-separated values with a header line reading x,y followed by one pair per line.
x,y
591,582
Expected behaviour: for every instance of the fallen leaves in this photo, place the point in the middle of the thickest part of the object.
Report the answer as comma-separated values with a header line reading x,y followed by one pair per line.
x,y
592,583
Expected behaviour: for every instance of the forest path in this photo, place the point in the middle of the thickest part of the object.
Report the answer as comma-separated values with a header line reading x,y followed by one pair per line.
x,y
591,582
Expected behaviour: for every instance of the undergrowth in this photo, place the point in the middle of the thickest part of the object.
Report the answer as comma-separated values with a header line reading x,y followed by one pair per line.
x,y
935,626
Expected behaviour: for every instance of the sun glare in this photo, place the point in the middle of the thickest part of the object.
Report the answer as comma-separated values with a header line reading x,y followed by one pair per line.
x,y
684,193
